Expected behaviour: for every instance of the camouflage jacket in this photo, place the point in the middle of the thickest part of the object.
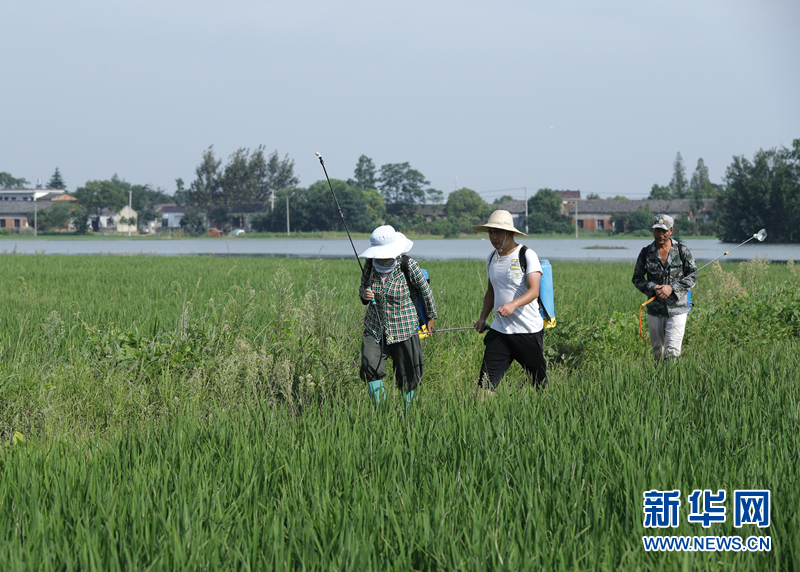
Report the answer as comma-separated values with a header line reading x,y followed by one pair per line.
x,y
680,272
394,310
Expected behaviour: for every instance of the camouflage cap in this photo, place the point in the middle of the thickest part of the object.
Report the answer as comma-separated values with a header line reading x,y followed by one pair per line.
x,y
663,221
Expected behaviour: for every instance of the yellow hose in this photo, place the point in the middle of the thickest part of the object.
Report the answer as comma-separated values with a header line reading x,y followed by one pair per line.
x,y
641,333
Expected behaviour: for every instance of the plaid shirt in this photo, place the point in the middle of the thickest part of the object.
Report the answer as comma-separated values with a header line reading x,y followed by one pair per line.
x,y
676,274
394,309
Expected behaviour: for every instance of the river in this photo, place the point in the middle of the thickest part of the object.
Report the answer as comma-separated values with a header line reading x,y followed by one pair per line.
x,y
563,249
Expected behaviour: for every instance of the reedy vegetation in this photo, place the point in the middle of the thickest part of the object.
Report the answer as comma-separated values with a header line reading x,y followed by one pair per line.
x,y
201,413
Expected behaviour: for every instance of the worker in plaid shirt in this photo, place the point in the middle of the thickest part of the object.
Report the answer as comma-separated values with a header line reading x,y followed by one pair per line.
x,y
391,323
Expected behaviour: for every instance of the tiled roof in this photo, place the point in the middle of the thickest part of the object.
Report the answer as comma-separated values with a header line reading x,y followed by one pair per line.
x,y
512,206
430,210
601,206
17,208
166,209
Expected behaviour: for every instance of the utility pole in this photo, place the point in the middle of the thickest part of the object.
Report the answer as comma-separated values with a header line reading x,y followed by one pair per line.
x,y
287,215
526,210
576,218
35,213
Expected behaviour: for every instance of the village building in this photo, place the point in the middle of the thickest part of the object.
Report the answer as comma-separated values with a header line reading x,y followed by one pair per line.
x,y
598,214
171,216
19,207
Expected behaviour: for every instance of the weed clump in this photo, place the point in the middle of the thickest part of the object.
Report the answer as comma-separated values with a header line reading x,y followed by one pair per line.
x,y
220,352
719,285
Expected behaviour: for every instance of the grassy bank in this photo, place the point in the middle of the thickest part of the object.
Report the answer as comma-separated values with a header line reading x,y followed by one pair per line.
x,y
202,413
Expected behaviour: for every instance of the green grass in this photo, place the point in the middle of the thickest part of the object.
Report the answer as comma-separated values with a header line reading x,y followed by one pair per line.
x,y
202,413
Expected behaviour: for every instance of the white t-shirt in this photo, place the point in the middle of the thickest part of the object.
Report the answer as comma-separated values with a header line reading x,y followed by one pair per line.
x,y
508,282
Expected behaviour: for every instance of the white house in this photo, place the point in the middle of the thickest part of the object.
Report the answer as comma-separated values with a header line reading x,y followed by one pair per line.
x,y
127,214
29,194
171,216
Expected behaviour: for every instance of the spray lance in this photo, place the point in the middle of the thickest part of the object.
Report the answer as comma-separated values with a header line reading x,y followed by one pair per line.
x,y
760,236
341,214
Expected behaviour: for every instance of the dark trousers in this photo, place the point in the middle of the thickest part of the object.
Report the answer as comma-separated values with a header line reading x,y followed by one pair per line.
x,y
406,360
502,349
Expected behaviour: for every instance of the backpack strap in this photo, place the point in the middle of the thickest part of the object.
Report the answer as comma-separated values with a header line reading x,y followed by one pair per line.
x,y
680,254
404,268
413,293
523,262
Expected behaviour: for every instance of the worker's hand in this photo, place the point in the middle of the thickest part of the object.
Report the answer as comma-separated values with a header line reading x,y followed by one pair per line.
x,y
367,295
480,325
430,325
663,292
506,309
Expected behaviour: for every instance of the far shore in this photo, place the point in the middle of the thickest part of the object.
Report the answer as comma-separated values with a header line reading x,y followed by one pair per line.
x,y
309,236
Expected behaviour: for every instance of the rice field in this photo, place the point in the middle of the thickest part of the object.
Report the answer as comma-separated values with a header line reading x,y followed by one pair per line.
x,y
205,414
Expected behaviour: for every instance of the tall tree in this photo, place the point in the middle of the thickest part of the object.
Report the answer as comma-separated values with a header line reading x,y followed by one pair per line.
x,y
402,188
193,221
314,209
249,178
56,217
764,193
502,199
7,181
237,183
205,190
700,183
280,174
659,192
180,192
678,186
546,202
364,174
466,204
98,195
56,182
700,188
545,213
435,196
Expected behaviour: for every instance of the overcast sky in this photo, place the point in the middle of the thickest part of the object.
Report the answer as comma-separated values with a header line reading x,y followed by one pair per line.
x,y
582,95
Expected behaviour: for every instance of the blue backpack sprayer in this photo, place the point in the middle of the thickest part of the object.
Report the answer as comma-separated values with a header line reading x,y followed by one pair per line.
x,y
547,305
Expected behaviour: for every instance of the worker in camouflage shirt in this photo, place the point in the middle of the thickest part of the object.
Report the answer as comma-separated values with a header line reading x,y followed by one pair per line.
x,y
391,322
666,271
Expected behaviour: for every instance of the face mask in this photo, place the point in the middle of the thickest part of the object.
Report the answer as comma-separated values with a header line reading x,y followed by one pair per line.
x,y
383,268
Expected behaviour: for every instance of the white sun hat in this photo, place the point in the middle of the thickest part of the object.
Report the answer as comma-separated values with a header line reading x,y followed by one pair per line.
x,y
501,220
386,242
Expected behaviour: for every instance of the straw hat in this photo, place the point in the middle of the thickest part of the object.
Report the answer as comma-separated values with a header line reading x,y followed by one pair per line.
x,y
501,220
386,242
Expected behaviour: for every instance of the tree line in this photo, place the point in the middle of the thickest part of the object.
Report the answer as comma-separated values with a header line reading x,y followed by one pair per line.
x,y
762,192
